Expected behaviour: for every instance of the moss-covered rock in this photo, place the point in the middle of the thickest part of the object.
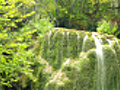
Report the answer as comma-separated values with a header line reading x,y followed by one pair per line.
x,y
61,44
76,65
80,74
58,81
88,43
110,68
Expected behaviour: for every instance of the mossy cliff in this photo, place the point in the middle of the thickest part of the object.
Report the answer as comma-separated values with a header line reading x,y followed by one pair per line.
x,y
76,63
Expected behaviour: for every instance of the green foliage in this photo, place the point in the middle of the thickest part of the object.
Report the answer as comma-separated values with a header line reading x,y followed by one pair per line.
x,y
20,65
44,8
79,14
16,61
41,25
56,47
19,54
14,12
106,27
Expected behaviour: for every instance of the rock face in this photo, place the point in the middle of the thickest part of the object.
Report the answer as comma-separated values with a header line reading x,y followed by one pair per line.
x,y
81,60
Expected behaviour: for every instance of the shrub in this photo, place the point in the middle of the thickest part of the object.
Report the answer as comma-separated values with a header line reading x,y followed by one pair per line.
x,y
20,65
106,27
14,12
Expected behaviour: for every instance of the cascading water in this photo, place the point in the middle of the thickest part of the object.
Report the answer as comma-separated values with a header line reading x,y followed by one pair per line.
x,y
95,69
116,41
62,46
103,83
110,44
100,65
68,55
78,36
84,42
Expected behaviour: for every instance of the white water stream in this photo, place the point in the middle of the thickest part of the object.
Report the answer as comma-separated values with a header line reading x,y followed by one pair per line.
x,y
100,65
68,51
78,36
84,40
62,46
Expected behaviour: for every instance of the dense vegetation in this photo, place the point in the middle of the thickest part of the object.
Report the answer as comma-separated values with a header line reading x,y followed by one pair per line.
x,y
24,22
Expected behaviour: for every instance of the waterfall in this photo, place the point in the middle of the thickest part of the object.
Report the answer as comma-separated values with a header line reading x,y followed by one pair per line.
x,y
100,65
83,46
95,69
68,55
62,46
116,41
110,42
78,36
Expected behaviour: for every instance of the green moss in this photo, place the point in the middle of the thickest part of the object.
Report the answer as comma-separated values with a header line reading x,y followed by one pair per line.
x,y
72,45
57,82
104,40
61,45
71,66
116,47
65,49
80,41
80,71
53,49
88,44
111,68
75,75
